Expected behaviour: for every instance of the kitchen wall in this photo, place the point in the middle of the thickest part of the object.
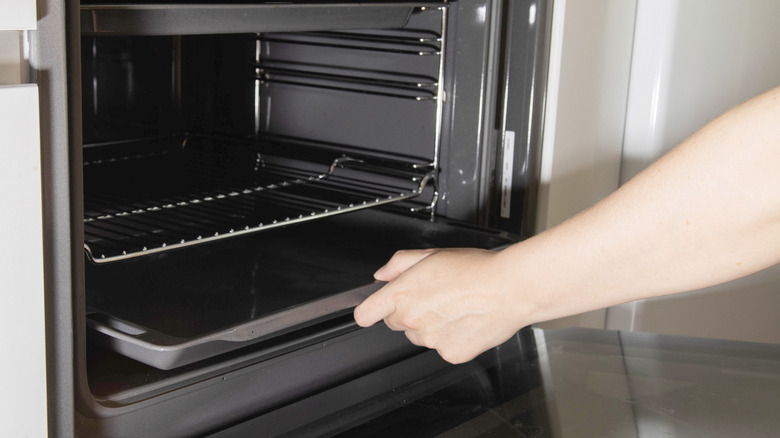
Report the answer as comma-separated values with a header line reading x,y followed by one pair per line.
x,y
692,61
632,80
590,66
9,57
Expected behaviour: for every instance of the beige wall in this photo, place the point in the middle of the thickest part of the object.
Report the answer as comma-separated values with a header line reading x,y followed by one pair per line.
x,y
585,114
717,54
10,48
687,62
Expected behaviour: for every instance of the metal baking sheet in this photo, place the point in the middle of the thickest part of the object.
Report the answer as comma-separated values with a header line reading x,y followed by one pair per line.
x,y
174,308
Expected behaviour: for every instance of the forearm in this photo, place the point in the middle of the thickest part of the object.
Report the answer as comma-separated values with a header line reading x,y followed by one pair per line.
x,y
706,213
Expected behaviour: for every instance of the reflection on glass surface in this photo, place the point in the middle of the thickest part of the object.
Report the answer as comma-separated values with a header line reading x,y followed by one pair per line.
x,y
603,383
588,383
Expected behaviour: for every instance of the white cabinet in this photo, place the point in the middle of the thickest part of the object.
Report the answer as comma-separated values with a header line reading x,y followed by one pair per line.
x,y
17,14
23,409
23,386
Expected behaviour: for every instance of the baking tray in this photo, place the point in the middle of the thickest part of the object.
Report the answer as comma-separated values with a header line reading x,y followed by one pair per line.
x,y
178,307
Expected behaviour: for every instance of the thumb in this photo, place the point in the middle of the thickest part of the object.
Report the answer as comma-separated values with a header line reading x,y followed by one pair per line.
x,y
374,309
400,262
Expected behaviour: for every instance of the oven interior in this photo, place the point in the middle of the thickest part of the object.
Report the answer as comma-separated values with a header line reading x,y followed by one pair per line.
x,y
239,191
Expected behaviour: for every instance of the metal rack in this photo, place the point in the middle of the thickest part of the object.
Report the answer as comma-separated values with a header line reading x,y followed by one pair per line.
x,y
181,204
420,88
401,64
403,42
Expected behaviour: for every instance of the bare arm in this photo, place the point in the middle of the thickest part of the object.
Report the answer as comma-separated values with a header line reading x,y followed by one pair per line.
x,y
706,213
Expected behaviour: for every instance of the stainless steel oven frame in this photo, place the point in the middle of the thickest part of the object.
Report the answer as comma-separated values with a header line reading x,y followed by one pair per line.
x,y
499,58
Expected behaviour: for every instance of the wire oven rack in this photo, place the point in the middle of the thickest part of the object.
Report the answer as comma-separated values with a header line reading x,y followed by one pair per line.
x,y
145,203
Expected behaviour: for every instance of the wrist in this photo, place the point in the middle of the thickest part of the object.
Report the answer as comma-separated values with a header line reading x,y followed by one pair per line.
x,y
510,275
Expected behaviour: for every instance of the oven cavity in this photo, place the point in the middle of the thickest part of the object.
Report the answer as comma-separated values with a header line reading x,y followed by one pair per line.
x,y
237,185
194,138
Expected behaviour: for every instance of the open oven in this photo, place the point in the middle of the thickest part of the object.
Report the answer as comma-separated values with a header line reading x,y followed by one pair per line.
x,y
239,170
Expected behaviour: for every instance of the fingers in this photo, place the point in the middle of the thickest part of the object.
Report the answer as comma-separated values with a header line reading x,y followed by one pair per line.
x,y
455,356
400,262
448,302
380,305
374,309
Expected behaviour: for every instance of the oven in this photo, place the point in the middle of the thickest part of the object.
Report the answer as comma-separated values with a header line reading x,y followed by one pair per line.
x,y
224,178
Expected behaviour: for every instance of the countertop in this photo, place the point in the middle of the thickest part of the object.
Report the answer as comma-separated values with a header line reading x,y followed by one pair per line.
x,y
557,383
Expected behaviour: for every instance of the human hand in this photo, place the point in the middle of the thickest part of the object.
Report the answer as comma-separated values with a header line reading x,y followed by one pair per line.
x,y
456,301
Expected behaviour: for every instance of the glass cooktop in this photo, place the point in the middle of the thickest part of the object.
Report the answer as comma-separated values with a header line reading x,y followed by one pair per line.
x,y
558,383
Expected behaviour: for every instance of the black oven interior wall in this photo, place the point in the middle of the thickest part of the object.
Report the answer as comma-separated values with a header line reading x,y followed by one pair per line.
x,y
146,86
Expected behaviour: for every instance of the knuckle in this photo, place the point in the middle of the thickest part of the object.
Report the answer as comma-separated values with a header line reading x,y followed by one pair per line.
x,y
446,354
428,340
412,337
409,320
400,254
453,355
393,324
